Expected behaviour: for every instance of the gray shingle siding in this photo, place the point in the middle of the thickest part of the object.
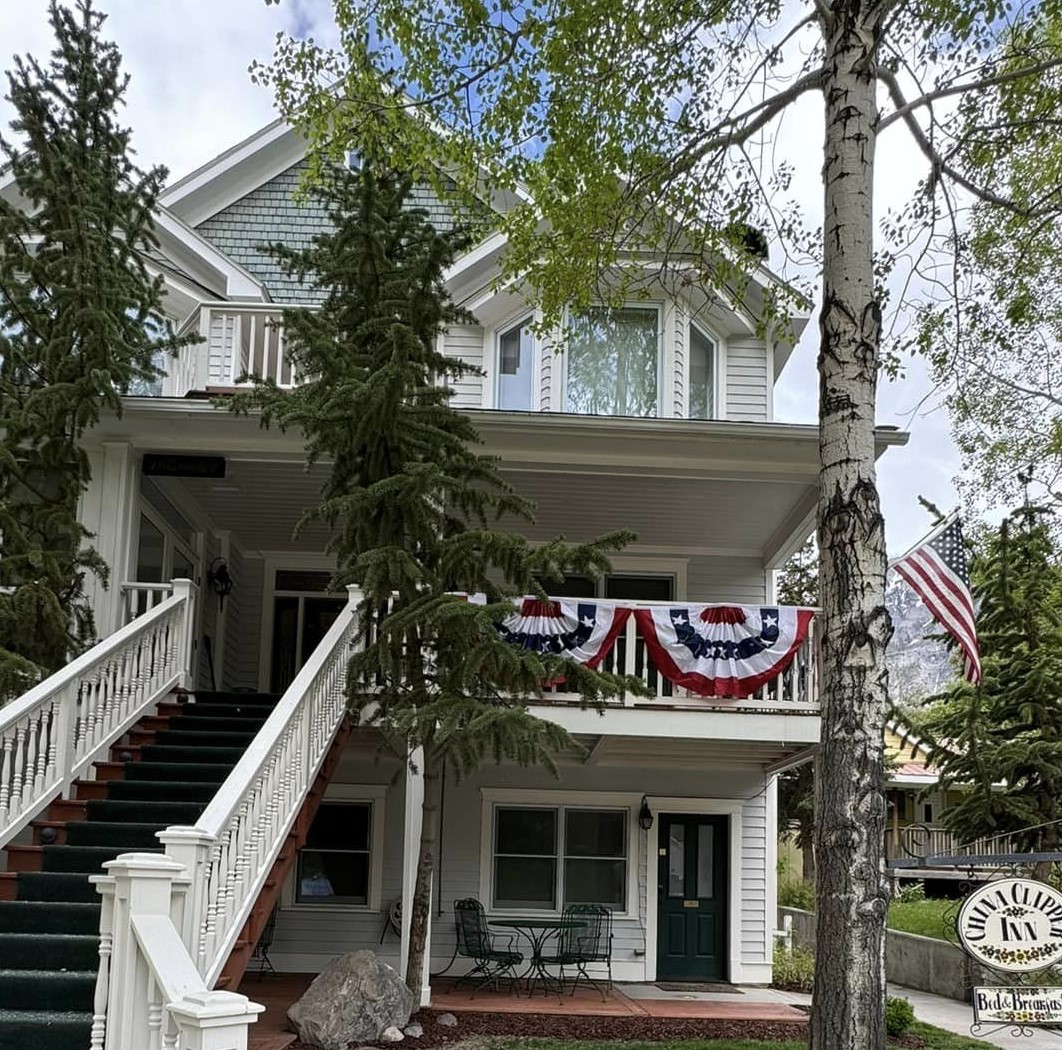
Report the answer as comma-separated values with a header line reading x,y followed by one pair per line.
x,y
272,213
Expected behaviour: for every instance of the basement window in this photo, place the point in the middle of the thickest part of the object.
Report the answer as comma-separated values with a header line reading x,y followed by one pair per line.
x,y
334,865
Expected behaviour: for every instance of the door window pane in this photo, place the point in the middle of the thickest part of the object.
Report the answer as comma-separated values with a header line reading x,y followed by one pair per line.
x,y
613,357
183,569
702,375
150,553
676,860
333,867
705,860
285,642
515,358
318,614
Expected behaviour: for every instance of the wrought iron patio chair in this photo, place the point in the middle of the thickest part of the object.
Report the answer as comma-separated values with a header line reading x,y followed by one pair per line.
x,y
477,942
585,939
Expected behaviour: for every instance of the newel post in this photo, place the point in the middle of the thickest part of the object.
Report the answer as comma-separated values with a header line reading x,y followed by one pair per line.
x,y
215,1020
186,637
190,847
137,884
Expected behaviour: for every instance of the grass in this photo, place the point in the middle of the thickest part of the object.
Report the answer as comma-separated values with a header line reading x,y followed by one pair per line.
x,y
935,1039
925,917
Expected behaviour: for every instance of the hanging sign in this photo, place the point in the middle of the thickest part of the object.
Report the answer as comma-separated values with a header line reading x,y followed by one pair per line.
x,y
1019,1005
1013,925
185,465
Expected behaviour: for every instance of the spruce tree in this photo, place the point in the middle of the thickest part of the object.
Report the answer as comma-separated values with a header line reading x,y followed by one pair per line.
x,y
80,322
414,506
999,744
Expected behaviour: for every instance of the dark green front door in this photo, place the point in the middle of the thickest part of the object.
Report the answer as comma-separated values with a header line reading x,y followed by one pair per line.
x,y
691,898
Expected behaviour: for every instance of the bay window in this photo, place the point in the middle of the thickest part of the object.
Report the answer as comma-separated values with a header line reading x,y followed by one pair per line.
x,y
545,857
614,361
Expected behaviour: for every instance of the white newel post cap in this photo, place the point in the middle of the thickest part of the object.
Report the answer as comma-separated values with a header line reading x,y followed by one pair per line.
x,y
215,1020
354,594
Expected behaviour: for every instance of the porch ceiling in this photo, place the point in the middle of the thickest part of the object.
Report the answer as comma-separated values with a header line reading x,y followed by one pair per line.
x,y
672,753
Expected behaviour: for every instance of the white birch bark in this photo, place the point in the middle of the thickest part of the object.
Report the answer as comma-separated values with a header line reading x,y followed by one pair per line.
x,y
848,1014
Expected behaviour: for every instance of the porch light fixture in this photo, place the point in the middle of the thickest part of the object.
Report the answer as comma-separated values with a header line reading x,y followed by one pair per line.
x,y
645,815
219,579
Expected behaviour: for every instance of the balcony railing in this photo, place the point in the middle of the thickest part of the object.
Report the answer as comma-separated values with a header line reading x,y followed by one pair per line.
x,y
917,842
239,340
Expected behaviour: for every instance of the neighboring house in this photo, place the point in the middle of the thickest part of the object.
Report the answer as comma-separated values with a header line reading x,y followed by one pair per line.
x,y
915,801
668,818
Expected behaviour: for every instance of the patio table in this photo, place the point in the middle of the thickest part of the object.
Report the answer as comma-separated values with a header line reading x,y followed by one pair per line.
x,y
537,932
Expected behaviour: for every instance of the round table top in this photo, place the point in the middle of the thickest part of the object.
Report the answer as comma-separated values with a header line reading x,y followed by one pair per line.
x,y
537,924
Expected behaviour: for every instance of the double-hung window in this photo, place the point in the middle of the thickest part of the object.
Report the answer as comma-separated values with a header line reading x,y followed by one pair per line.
x,y
545,857
702,375
614,361
334,864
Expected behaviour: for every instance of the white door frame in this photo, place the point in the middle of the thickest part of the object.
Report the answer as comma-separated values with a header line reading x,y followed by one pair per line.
x,y
707,807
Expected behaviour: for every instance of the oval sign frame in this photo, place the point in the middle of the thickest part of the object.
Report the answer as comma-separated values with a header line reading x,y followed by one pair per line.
x,y
1002,925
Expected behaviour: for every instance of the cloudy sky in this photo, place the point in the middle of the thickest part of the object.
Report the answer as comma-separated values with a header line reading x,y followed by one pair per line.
x,y
191,97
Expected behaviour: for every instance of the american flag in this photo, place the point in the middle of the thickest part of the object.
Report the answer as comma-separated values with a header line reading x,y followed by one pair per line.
x,y
937,571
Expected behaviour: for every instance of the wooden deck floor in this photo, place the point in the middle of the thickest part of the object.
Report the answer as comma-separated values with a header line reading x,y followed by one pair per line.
x,y
278,992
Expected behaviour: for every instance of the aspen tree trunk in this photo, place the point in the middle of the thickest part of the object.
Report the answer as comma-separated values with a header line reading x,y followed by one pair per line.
x,y
431,822
848,1011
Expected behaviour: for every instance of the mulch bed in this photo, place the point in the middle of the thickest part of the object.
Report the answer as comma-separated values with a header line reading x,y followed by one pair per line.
x,y
546,1026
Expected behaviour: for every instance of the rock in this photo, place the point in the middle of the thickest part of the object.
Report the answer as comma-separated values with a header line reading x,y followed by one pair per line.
x,y
391,1034
414,1030
354,999
446,1020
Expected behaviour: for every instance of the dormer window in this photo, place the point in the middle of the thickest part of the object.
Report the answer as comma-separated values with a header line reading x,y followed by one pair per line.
x,y
702,375
516,348
614,361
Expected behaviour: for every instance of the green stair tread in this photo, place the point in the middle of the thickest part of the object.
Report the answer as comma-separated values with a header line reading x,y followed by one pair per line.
x,y
88,859
57,886
47,989
217,724
134,811
197,738
49,917
201,791
53,951
194,754
211,772
126,834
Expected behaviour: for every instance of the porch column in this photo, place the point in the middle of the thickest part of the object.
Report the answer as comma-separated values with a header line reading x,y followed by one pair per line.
x,y
414,816
108,510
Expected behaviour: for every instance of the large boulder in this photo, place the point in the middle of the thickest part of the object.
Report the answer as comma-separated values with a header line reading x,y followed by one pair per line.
x,y
352,1000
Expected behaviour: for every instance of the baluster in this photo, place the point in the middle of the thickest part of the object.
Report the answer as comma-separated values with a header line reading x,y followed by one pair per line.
x,y
210,921
6,774
50,773
281,369
154,1017
253,367
171,1034
18,768
29,782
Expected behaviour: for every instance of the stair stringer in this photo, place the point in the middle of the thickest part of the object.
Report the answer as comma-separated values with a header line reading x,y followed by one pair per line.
x,y
233,971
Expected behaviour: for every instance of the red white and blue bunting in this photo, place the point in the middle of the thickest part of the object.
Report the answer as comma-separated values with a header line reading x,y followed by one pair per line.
x,y
722,650
580,630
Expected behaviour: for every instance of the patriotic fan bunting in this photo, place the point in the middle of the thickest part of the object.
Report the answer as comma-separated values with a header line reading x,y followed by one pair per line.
x,y
582,631
722,650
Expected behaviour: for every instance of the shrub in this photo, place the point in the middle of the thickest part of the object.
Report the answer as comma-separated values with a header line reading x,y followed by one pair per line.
x,y
794,969
796,893
913,891
899,1016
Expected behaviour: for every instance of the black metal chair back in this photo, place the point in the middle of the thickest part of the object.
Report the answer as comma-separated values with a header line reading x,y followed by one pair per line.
x,y
590,940
473,934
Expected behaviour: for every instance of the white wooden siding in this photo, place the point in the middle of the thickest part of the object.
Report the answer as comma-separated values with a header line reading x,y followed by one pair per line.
x,y
716,579
243,621
746,380
466,343
307,937
680,371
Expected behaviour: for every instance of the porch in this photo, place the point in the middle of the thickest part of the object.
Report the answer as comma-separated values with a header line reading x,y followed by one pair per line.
x,y
631,1011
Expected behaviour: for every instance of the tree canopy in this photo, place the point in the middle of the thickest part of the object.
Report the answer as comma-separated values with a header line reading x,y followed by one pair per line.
x,y
81,322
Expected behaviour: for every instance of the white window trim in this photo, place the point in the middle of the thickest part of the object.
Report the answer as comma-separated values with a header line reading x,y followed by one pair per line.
x,y
375,795
492,797
492,352
717,355
709,807
660,306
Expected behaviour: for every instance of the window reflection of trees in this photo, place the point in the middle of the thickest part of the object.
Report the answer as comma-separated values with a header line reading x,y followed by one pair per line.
x,y
613,357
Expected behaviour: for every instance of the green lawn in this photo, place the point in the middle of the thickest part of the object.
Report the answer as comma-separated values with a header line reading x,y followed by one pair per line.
x,y
935,1039
922,917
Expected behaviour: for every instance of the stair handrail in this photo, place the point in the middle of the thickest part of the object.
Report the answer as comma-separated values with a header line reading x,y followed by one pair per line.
x,y
231,849
53,733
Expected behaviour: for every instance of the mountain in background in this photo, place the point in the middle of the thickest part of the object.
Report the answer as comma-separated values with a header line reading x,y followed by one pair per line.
x,y
919,663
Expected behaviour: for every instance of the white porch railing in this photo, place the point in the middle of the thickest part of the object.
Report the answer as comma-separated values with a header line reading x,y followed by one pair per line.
x,y
193,902
52,734
238,340
138,598
796,689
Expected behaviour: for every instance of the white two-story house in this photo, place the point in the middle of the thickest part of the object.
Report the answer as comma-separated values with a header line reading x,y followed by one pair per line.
x,y
667,815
